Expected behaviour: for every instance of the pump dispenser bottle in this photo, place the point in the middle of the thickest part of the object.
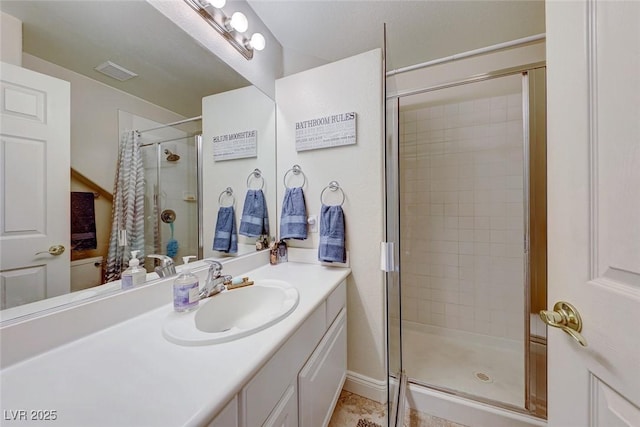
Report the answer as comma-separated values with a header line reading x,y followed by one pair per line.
x,y
186,289
134,275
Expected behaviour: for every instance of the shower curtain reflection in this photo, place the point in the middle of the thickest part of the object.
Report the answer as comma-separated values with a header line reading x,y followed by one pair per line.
x,y
127,227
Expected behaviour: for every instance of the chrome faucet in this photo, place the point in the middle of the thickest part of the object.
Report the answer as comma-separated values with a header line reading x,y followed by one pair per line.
x,y
215,280
167,268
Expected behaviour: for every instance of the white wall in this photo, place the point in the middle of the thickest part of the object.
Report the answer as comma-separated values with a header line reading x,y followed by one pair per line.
x,y
352,84
10,39
94,120
229,112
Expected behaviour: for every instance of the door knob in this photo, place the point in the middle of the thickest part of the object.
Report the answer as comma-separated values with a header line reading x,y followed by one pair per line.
x,y
53,250
566,317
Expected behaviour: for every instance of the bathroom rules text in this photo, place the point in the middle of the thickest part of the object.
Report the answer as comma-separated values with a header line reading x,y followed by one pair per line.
x,y
328,131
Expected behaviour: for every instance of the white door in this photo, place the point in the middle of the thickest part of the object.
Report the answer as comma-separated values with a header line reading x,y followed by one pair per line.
x,y
34,178
593,72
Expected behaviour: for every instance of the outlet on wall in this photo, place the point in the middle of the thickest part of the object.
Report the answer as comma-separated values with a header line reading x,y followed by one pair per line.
x,y
312,223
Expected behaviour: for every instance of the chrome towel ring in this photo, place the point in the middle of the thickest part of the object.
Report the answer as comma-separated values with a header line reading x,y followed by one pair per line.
x,y
255,174
296,170
229,193
333,186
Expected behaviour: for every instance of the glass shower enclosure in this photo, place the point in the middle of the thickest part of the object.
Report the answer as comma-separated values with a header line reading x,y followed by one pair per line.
x,y
171,197
466,211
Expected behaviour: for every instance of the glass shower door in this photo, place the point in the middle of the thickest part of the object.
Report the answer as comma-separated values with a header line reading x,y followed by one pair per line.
x,y
466,208
396,379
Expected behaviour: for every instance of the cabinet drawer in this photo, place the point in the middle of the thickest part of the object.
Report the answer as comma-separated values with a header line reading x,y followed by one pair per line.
x,y
261,395
285,414
322,378
336,301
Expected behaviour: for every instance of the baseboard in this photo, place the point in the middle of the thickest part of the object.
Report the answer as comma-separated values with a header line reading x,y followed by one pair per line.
x,y
364,386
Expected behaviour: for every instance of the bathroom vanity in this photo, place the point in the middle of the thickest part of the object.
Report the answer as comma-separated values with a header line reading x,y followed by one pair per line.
x,y
129,374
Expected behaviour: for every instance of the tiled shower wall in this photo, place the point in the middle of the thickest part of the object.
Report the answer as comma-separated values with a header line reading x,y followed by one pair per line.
x,y
462,224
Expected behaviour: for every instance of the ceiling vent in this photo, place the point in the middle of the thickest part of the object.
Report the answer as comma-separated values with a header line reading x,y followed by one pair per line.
x,y
115,71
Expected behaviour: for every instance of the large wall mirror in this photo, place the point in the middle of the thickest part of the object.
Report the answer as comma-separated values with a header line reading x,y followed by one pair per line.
x,y
68,40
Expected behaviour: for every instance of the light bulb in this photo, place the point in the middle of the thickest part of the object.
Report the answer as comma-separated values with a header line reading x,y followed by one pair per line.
x,y
218,4
257,41
239,22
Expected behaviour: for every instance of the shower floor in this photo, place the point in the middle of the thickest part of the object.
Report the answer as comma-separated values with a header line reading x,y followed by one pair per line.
x,y
478,365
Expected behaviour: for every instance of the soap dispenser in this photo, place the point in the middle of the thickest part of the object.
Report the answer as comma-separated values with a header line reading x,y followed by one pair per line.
x,y
186,289
134,275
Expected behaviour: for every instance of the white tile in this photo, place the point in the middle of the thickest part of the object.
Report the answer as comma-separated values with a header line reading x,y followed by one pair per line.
x,y
452,322
514,113
498,102
451,110
451,272
436,209
514,99
450,221
467,222
482,248
481,236
466,260
451,209
437,320
451,297
465,209
466,235
437,307
466,248
499,115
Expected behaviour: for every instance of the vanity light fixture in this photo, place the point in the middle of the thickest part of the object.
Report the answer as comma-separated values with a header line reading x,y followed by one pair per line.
x,y
231,28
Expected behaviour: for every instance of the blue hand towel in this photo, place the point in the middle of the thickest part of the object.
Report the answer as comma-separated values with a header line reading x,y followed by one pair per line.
x,y
255,220
332,235
293,220
225,238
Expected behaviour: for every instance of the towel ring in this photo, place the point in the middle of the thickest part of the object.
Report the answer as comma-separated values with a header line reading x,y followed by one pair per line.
x,y
229,192
333,186
296,170
256,174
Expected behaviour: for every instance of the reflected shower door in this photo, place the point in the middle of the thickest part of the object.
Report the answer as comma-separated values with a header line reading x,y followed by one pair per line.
x,y
171,210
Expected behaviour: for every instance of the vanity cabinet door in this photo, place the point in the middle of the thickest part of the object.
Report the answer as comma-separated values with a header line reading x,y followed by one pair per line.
x,y
285,414
321,379
228,417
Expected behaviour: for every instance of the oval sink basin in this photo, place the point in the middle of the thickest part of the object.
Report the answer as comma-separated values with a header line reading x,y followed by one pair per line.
x,y
233,314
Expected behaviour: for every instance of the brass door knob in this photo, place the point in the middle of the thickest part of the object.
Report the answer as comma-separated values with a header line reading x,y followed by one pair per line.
x,y
53,250
566,317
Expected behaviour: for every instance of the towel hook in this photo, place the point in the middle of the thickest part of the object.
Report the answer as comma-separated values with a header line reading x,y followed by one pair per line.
x,y
256,174
333,186
229,192
296,170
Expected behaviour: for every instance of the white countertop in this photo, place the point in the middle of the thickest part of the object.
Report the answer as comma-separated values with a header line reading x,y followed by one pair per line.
x,y
130,375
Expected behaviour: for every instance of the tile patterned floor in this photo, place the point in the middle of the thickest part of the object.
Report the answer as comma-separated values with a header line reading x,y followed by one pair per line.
x,y
352,407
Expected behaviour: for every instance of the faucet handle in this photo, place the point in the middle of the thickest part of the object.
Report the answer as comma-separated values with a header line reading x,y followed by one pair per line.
x,y
164,259
215,267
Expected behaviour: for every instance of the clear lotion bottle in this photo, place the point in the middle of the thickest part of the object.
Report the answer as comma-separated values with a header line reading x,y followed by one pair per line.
x,y
134,275
186,289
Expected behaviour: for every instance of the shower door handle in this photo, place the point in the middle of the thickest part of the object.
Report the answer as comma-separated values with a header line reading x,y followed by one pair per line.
x,y
566,317
53,250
